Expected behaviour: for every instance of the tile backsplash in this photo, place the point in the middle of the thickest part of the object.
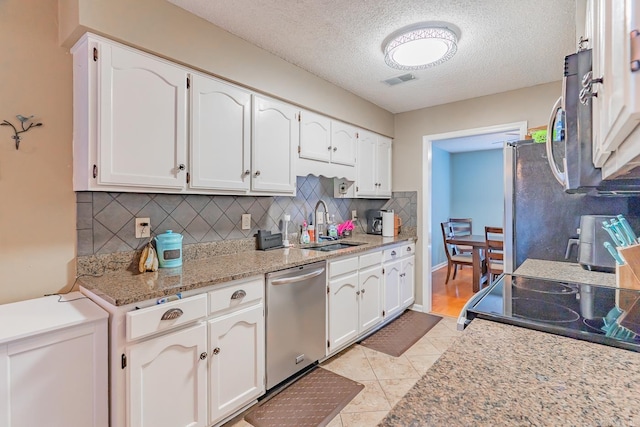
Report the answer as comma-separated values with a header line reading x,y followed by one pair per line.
x,y
106,221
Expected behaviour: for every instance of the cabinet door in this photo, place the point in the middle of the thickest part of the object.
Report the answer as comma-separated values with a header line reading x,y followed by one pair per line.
x,y
236,361
168,380
275,138
383,167
56,379
407,282
371,297
315,137
220,135
367,147
343,311
392,279
343,143
142,103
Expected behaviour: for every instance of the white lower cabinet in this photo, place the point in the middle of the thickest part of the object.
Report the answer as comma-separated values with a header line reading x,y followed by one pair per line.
x,y
236,361
392,279
343,310
399,279
167,380
355,298
190,362
53,363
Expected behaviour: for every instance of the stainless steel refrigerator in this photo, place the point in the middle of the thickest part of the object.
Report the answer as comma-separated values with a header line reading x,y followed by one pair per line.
x,y
540,216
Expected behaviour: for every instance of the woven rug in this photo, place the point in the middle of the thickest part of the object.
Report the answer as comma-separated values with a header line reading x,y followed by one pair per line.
x,y
311,401
395,338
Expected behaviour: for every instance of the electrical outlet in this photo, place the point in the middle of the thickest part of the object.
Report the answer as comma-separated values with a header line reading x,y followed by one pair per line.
x,y
143,228
354,215
246,221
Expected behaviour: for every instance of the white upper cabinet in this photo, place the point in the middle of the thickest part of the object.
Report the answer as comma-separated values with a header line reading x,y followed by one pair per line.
x,y
130,115
275,139
142,113
220,135
374,165
344,138
315,137
616,108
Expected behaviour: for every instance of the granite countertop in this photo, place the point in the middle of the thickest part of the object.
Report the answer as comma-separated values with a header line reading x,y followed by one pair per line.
x,y
564,271
498,374
126,287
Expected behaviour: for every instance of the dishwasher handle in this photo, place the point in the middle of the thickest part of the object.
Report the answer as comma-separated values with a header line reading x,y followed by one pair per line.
x,y
294,279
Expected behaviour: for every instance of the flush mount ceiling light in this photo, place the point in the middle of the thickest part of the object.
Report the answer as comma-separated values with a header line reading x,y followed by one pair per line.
x,y
420,46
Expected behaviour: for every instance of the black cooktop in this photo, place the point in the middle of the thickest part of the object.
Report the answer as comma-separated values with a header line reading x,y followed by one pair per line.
x,y
593,313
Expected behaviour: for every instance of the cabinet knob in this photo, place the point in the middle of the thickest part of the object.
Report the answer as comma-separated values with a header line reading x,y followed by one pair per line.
x,y
409,249
362,292
172,314
329,148
239,294
357,292
181,166
335,148
247,172
203,355
393,253
257,173
216,350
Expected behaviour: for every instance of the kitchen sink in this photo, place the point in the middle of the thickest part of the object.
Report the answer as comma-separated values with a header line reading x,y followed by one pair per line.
x,y
333,246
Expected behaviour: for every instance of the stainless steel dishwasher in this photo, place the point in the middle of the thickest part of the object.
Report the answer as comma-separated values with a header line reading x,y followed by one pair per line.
x,y
295,317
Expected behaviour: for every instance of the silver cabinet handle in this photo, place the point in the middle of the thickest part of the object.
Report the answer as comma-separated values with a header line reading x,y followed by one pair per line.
x,y
171,314
247,172
181,166
409,249
257,173
239,294
393,253
329,148
203,355
362,291
357,292
216,350
335,148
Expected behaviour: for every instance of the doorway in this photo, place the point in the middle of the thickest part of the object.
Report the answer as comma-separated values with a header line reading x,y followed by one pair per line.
x,y
486,138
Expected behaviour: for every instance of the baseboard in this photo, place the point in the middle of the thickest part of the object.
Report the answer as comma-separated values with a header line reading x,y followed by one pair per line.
x,y
436,267
417,307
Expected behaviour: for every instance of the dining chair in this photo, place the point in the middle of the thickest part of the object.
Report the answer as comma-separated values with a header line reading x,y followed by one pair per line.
x,y
462,227
494,251
454,258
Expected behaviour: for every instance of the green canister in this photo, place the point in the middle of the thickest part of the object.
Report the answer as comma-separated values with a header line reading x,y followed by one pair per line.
x,y
169,248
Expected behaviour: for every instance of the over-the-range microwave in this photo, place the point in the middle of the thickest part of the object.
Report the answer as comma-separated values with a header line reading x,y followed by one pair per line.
x,y
580,175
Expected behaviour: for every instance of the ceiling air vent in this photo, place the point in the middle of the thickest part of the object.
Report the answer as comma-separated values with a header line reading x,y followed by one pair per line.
x,y
399,79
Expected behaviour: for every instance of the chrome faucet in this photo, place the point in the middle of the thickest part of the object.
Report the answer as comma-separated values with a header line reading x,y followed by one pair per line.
x,y
315,219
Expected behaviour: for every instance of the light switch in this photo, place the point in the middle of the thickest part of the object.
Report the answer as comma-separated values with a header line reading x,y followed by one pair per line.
x,y
246,221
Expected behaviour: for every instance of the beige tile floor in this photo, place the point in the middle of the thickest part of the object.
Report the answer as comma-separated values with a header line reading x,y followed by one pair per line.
x,y
386,378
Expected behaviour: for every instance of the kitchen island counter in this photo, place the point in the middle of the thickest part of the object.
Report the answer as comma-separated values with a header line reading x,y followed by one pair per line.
x,y
126,286
498,374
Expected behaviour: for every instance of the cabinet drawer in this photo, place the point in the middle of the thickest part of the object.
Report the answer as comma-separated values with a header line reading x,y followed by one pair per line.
x,y
236,294
370,259
336,268
149,320
399,251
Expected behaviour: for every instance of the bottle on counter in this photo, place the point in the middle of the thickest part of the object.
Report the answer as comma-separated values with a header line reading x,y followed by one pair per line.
x,y
312,232
304,235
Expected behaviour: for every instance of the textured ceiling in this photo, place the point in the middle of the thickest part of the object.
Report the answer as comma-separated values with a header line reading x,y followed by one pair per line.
x,y
504,44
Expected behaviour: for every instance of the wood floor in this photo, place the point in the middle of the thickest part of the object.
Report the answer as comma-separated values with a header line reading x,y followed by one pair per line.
x,y
449,299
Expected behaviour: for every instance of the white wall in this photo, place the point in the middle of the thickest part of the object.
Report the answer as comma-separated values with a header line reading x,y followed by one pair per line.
x,y
531,104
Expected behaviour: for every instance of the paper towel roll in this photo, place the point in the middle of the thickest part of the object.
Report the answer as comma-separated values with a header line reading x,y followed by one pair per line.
x,y
387,224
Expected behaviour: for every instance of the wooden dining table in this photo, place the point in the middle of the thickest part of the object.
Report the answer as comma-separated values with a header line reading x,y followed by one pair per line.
x,y
477,243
